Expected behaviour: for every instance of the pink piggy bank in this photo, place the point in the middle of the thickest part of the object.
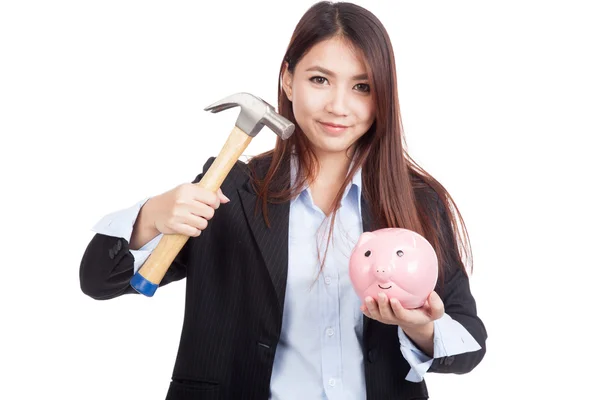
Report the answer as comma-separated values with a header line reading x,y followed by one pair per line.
x,y
398,262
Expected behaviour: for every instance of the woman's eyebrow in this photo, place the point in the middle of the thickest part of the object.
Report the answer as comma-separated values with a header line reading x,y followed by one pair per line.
x,y
325,71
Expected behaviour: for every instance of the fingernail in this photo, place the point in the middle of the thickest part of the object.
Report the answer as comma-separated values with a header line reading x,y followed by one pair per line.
x,y
226,198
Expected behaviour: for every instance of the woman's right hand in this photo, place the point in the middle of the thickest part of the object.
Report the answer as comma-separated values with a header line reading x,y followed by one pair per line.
x,y
185,209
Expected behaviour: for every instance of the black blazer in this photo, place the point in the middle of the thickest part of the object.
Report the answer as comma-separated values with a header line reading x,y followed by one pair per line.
x,y
236,274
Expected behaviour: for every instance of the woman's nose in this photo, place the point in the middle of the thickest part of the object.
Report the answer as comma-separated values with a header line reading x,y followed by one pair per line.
x,y
337,102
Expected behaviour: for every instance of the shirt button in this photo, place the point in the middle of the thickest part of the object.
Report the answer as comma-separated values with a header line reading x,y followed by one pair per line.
x,y
329,332
331,382
327,280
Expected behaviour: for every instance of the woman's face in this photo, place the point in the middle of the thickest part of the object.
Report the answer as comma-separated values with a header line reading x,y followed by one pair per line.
x,y
331,96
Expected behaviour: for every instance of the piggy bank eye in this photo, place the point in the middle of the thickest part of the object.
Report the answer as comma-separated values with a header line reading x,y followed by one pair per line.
x,y
368,253
400,253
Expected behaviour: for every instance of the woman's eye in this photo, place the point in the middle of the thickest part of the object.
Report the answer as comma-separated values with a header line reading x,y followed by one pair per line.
x,y
318,79
368,253
363,87
399,253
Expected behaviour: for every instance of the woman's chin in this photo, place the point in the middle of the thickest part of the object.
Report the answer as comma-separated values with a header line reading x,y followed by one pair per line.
x,y
329,146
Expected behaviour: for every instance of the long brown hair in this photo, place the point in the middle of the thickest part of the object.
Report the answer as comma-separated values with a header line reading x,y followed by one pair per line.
x,y
392,180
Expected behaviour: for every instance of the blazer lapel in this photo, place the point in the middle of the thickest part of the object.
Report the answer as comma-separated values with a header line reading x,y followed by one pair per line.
x,y
272,242
368,226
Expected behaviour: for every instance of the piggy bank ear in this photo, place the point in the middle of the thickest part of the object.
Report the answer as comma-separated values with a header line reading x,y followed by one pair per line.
x,y
407,237
364,238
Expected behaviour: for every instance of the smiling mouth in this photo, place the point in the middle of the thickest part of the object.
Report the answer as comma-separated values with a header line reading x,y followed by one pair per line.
x,y
333,129
385,288
333,125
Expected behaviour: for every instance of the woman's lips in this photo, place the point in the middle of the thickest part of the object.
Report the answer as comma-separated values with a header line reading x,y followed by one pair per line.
x,y
333,128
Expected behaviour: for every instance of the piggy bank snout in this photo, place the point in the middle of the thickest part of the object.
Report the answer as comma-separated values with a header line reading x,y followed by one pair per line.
x,y
382,273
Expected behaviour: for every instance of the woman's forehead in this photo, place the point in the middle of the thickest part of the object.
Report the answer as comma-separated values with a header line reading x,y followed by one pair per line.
x,y
337,55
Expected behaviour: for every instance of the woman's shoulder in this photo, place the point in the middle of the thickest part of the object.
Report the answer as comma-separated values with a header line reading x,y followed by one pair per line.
x,y
241,172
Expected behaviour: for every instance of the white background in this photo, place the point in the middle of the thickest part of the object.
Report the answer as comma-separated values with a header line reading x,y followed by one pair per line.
x,y
101,104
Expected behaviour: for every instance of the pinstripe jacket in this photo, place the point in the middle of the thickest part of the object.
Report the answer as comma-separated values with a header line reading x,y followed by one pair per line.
x,y
234,302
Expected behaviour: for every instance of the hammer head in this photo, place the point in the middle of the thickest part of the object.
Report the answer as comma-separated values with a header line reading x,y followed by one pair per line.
x,y
254,114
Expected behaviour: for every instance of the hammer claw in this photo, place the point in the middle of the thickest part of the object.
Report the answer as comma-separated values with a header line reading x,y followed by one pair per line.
x,y
254,114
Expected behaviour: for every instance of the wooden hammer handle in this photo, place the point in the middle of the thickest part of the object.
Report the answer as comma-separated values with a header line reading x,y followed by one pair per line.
x,y
147,279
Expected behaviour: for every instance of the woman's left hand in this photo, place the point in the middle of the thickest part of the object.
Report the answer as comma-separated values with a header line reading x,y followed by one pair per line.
x,y
391,312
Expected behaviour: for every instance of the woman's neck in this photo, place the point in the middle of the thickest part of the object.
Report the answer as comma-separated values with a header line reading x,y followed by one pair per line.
x,y
332,168
332,171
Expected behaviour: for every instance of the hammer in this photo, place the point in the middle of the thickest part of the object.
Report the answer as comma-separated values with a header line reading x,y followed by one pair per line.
x,y
254,114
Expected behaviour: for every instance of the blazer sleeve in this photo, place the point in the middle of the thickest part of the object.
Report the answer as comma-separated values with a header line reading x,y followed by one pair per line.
x,y
107,266
459,304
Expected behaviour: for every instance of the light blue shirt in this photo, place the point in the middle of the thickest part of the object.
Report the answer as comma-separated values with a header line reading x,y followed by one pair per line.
x,y
319,354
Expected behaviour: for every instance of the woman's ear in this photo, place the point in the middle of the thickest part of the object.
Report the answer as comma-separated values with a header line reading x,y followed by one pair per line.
x,y
286,81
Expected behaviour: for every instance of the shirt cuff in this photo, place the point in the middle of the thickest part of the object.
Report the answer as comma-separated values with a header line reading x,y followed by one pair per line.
x,y
120,224
140,255
449,338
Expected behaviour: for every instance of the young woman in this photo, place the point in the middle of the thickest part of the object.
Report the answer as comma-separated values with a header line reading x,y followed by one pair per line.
x,y
270,310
